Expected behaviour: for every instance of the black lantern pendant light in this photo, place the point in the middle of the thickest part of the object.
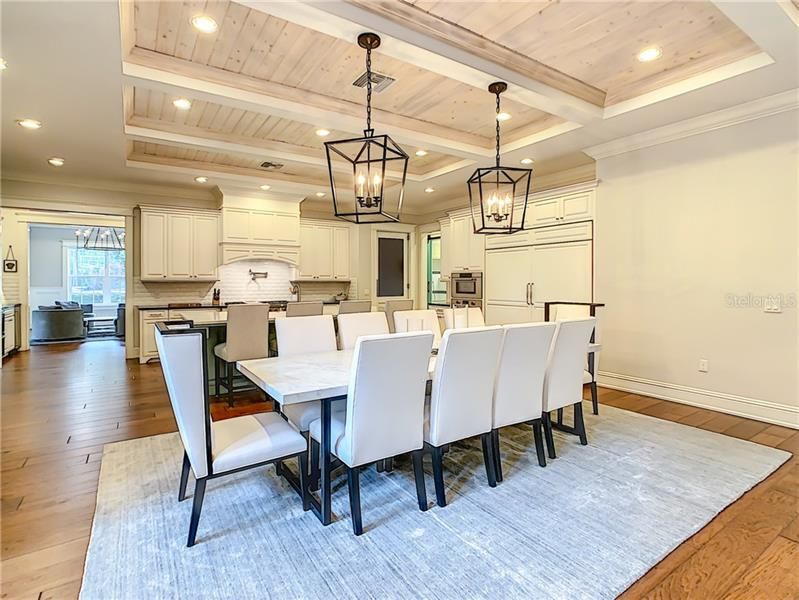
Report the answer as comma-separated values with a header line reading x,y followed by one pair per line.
x,y
496,193
100,238
359,167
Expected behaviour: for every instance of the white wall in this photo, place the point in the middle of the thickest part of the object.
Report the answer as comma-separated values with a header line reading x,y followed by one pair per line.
x,y
687,231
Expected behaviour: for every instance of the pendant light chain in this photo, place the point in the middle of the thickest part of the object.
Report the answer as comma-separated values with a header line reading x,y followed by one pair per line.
x,y
497,129
369,89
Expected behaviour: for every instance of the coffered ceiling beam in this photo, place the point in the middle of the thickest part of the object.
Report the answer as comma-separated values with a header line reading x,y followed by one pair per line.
x,y
174,76
416,37
767,24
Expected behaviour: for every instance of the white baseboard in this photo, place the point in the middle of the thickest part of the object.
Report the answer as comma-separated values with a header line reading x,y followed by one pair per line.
x,y
741,406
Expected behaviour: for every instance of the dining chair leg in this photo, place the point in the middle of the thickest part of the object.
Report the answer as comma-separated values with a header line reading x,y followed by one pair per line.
x,y
418,475
594,399
354,486
302,464
184,477
230,369
579,423
380,466
488,458
539,442
388,464
197,506
497,456
217,375
546,421
313,484
438,475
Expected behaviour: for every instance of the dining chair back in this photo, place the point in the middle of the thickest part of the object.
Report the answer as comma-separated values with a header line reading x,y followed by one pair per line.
x,y
385,400
305,335
347,307
303,309
519,386
393,306
247,332
181,359
353,326
463,384
563,383
463,318
418,320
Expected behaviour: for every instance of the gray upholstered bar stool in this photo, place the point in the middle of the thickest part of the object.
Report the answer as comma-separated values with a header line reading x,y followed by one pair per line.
x,y
303,309
348,307
393,306
247,338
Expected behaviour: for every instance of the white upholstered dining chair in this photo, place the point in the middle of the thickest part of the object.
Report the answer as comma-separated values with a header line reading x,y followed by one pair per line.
x,y
216,448
563,382
418,320
393,306
461,399
304,309
519,385
352,326
247,337
347,307
385,410
463,318
305,335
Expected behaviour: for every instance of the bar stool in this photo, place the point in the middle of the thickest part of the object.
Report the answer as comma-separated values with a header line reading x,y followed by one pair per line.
x,y
247,338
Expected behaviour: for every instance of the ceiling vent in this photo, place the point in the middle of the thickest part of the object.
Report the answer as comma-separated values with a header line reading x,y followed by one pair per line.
x,y
268,164
379,81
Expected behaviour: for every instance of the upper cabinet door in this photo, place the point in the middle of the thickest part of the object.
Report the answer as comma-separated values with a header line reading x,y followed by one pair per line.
x,y
235,225
577,206
459,245
205,247
316,252
341,253
285,228
446,249
476,248
262,227
153,246
562,272
543,212
179,247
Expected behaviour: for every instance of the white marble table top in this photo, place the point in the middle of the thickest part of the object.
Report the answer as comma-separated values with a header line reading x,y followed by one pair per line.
x,y
306,377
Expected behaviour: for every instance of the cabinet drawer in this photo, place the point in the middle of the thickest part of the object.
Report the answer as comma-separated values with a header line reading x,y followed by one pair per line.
x,y
154,314
562,233
521,238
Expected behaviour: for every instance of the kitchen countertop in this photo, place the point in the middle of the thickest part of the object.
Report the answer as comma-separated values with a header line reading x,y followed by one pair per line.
x,y
205,306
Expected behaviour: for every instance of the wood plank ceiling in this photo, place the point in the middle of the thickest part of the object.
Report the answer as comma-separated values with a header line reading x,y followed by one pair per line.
x,y
572,44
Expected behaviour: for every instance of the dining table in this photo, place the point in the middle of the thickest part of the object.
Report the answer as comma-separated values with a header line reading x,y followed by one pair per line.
x,y
318,376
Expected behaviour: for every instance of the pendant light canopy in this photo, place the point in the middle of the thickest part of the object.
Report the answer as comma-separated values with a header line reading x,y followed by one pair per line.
x,y
497,193
359,167
100,238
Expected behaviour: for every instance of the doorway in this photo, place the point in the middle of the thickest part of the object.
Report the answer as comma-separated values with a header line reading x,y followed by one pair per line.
x,y
392,261
436,289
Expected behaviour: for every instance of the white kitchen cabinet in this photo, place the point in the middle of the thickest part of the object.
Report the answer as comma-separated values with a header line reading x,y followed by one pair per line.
x,y
10,328
561,272
324,251
461,248
147,321
560,209
250,226
179,245
446,243
153,246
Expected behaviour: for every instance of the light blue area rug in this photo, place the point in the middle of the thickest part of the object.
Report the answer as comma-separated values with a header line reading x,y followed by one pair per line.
x,y
586,526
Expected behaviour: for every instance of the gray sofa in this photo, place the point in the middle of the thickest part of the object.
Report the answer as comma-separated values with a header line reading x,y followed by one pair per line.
x,y
51,324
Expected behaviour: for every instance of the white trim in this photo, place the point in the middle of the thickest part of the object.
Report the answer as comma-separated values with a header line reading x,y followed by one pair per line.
x,y
566,189
790,9
742,406
749,111
739,67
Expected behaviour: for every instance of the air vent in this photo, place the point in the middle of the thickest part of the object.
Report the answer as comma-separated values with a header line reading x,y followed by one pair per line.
x,y
267,164
379,81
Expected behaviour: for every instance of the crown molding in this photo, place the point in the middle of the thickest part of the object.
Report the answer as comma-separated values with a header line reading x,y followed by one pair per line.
x,y
110,186
735,115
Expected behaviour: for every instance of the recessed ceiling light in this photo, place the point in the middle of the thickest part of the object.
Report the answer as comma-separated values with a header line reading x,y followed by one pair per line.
x,y
265,187
3,64
527,161
29,123
421,153
320,194
201,179
649,54
322,132
56,161
204,23
429,190
182,103
503,116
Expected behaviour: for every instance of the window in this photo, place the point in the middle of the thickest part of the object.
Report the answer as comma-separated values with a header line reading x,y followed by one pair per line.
x,y
95,276
436,289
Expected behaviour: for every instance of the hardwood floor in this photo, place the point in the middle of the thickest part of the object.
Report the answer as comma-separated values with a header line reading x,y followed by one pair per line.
x,y
60,404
